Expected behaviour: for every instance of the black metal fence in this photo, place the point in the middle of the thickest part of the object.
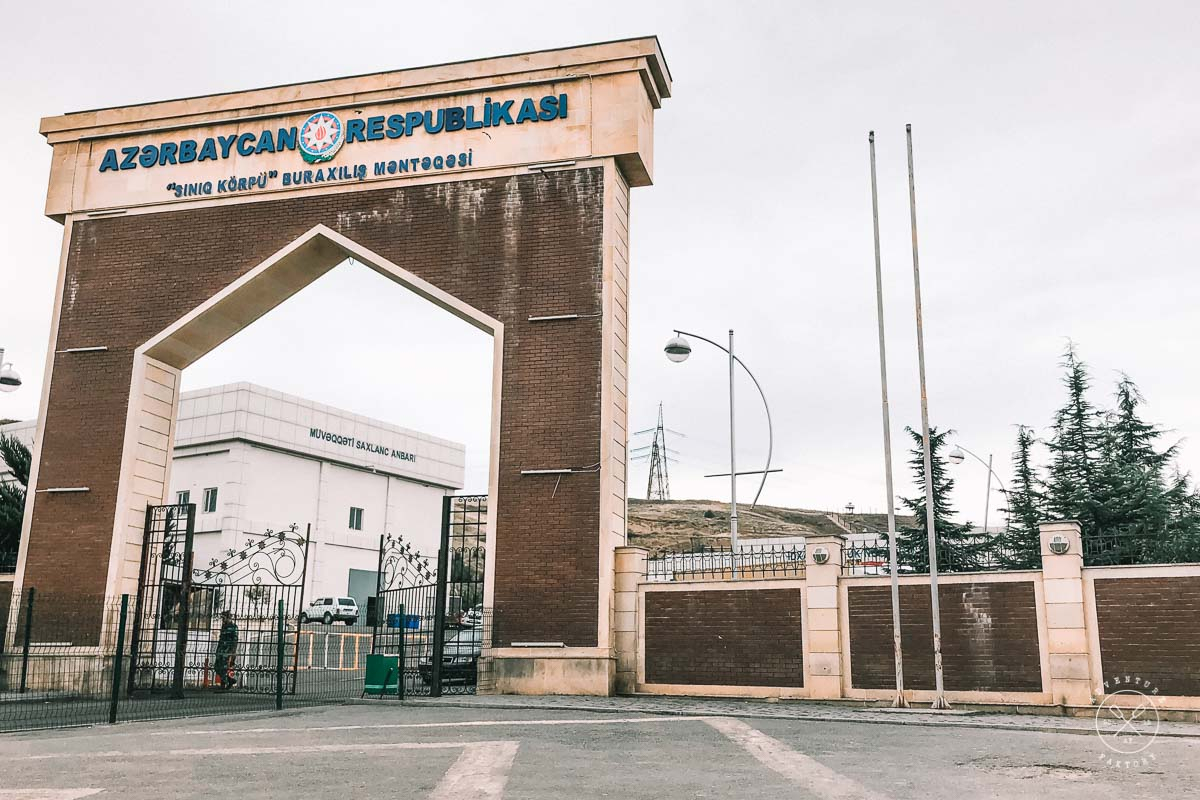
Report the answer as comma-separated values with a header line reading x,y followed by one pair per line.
x,y
869,556
404,628
54,669
408,632
1127,545
723,563
1121,546
331,662
67,660
177,617
79,660
434,622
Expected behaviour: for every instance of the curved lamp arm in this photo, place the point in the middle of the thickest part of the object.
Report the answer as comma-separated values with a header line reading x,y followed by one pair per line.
x,y
985,464
770,428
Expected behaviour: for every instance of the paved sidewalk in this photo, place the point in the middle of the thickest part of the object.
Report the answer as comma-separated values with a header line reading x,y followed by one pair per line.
x,y
805,710
448,752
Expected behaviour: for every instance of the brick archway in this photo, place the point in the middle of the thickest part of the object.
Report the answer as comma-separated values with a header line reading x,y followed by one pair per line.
x,y
158,364
505,249
522,229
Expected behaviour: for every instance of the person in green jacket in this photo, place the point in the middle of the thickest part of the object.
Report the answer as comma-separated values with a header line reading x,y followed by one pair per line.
x,y
226,648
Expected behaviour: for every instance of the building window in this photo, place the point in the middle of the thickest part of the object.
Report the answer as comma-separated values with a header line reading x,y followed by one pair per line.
x,y
355,518
183,498
210,500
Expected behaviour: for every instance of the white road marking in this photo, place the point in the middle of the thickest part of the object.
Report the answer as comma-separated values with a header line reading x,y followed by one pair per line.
x,y
480,772
462,724
47,794
255,751
805,772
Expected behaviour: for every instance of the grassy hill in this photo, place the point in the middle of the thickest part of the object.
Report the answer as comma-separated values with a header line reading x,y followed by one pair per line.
x,y
691,524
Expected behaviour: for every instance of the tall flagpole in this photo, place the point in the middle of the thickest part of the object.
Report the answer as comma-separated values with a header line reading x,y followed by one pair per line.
x,y
899,701
939,700
733,515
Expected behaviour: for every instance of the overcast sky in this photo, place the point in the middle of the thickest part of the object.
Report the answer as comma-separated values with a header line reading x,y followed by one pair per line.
x,y
1057,196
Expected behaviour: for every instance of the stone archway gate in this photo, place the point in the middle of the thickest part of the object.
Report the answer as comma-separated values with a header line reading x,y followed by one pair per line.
x,y
496,188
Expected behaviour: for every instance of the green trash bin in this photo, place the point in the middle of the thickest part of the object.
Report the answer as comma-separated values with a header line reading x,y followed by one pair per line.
x,y
383,675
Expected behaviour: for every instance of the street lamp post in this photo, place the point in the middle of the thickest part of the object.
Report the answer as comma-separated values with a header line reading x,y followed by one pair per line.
x,y
958,455
10,379
678,348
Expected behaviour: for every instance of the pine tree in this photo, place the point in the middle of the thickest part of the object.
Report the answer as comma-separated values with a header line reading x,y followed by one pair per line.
x,y
1135,485
1181,544
1020,544
1072,485
957,549
1108,472
1133,440
1139,501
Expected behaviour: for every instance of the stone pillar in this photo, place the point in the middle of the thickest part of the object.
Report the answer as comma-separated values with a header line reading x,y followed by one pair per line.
x,y
629,571
1066,622
823,670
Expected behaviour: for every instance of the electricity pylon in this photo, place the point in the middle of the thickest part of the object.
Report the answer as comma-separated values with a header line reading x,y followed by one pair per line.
x,y
658,484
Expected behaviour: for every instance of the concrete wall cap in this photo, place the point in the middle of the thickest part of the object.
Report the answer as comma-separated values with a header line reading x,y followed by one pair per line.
x,y
825,538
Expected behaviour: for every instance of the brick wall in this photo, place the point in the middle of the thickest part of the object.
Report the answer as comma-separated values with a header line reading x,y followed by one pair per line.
x,y
989,637
730,638
512,247
1150,629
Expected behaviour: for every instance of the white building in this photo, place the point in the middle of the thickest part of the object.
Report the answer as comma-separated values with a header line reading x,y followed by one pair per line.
x,y
253,459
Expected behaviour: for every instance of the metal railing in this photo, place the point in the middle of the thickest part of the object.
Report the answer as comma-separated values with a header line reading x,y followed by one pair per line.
x,y
69,661
723,563
1129,545
868,555
982,553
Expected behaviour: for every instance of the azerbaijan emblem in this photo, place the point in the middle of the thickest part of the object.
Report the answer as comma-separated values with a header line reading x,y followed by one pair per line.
x,y
321,136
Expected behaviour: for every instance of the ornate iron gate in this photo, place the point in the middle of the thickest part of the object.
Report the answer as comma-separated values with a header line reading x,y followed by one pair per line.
x,y
431,614
177,618
435,621
156,658
404,610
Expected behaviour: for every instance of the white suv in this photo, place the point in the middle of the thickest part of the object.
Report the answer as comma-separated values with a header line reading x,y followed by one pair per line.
x,y
329,609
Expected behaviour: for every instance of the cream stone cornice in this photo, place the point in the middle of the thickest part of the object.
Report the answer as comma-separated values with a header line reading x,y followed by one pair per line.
x,y
641,55
608,93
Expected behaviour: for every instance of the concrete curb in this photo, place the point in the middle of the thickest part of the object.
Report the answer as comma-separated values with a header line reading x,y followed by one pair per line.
x,y
750,714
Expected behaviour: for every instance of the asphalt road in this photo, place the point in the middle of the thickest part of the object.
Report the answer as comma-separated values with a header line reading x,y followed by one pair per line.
x,y
359,751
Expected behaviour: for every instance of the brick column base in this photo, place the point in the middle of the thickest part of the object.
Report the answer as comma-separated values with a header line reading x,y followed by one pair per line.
x,y
1066,626
823,667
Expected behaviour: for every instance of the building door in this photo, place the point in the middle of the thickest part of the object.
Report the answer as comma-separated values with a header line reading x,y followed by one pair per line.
x,y
362,584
